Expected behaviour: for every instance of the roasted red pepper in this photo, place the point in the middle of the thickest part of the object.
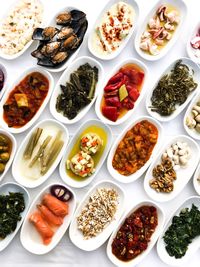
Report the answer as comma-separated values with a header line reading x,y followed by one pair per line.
x,y
110,112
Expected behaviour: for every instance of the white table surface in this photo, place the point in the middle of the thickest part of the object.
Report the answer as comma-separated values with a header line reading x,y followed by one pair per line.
x,y
66,254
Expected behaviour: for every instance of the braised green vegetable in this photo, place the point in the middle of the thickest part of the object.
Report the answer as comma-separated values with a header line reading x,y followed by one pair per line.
x,y
173,89
182,231
32,143
78,92
11,206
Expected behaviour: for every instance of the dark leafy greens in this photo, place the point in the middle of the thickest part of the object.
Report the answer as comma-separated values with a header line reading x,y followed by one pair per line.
x,y
78,92
173,89
182,231
11,206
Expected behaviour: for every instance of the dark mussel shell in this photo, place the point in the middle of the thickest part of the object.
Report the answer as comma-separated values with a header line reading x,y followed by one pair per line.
x,y
45,34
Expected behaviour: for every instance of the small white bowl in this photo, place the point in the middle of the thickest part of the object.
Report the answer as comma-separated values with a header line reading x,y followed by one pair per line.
x,y
5,189
101,93
183,174
52,23
40,110
14,56
154,237
31,239
196,183
65,78
50,127
180,108
5,84
192,248
131,178
190,50
62,168
114,54
93,243
192,132
182,8
12,154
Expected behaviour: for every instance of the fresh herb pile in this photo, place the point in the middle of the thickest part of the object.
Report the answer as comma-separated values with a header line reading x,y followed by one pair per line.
x,y
10,208
173,89
182,231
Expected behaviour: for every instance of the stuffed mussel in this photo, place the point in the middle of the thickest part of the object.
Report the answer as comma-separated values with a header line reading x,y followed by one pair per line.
x,y
57,44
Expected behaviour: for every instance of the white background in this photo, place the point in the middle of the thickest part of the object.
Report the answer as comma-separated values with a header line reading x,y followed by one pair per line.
x,y
66,254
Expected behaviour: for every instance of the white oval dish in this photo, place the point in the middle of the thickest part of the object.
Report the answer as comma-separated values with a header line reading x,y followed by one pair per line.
x,y
50,127
3,68
131,178
30,238
142,93
190,50
68,62
154,237
192,248
93,243
10,57
192,132
182,8
65,78
5,189
183,174
40,110
12,154
70,181
110,3
196,183
180,108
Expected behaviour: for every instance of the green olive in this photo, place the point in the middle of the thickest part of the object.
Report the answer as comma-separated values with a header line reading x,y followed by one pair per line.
x,y
2,167
4,156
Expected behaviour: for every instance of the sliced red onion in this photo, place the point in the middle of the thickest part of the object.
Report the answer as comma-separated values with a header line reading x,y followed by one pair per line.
x,y
195,42
61,193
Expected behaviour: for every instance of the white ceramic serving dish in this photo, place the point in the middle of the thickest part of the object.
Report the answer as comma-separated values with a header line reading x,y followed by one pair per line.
x,y
93,243
62,168
20,170
40,110
31,239
190,50
196,183
68,62
183,174
114,54
182,8
142,93
192,132
180,108
131,178
12,154
3,68
65,78
10,57
154,237
5,189
192,248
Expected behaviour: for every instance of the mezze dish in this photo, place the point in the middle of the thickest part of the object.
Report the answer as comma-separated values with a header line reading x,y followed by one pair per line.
x,y
172,168
17,27
86,153
48,219
7,151
193,44
3,79
136,234
196,180
97,215
160,29
181,236
174,90
133,150
76,90
59,42
14,203
113,28
25,100
122,92
40,153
